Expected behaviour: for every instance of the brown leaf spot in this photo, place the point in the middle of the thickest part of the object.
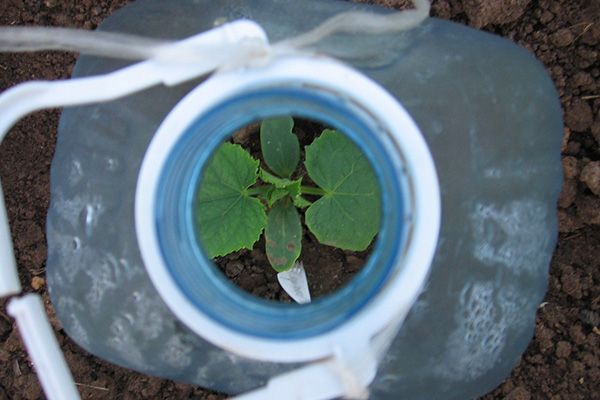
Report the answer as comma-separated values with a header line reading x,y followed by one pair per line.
x,y
279,261
291,246
276,261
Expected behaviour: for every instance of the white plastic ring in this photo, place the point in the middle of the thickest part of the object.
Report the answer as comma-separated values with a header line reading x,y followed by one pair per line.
x,y
393,301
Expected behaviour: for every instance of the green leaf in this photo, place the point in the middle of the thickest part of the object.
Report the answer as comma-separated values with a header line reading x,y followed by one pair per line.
x,y
228,218
293,188
301,202
283,236
275,194
280,147
349,213
282,187
280,183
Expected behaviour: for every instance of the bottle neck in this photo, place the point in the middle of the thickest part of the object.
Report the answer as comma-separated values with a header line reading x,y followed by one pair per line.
x,y
311,88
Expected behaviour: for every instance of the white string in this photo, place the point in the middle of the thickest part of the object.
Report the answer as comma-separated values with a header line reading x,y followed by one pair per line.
x,y
362,22
132,47
107,44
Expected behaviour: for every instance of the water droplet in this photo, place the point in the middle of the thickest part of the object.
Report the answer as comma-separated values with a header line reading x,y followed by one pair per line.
x,y
76,244
219,21
112,164
88,217
129,318
76,173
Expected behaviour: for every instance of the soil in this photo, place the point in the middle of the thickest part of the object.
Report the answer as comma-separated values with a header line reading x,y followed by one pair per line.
x,y
562,361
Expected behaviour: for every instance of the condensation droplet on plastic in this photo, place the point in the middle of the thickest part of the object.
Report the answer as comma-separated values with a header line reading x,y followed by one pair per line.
x,y
76,244
87,219
112,164
76,173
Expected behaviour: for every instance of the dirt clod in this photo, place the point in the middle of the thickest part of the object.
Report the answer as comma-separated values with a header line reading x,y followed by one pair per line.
x,y
590,175
482,12
579,116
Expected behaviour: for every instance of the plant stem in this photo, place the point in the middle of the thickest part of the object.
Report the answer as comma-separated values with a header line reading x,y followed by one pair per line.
x,y
257,191
312,190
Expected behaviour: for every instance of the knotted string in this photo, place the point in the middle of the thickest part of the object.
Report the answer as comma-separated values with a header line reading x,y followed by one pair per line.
x,y
137,48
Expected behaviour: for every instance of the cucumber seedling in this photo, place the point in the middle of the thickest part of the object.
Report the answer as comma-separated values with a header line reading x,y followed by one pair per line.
x,y
238,200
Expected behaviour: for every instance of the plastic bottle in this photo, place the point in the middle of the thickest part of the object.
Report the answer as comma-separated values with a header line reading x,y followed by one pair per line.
x,y
492,121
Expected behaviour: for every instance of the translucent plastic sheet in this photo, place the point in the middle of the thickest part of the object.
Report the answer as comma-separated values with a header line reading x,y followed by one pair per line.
x,y
337,375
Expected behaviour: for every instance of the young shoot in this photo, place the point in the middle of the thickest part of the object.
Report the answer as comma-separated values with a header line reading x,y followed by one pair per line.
x,y
238,200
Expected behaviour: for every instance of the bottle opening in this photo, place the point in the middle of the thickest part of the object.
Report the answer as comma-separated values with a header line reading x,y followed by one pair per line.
x,y
284,194
178,228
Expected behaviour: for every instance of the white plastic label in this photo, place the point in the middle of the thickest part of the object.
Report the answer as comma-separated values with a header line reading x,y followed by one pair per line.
x,y
295,284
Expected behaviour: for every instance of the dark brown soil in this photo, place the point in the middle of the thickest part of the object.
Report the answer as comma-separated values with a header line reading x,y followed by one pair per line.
x,y
563,359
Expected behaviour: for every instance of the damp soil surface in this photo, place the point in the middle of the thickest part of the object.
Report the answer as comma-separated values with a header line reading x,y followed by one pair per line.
x,y
563,359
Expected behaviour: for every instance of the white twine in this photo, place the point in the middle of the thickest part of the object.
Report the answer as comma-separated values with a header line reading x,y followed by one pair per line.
x,y
362,22
132,47
106,44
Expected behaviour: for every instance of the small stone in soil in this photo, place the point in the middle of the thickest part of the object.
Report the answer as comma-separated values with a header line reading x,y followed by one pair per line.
x,y
590,175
